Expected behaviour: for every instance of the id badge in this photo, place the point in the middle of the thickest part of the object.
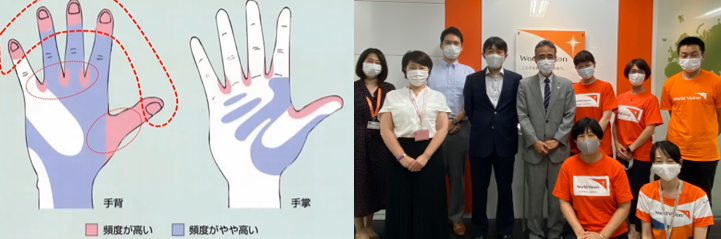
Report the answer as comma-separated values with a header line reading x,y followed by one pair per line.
x,y
422,135
374,125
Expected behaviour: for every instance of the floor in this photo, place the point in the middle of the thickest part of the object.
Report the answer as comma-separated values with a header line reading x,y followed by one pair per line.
x,y
379,227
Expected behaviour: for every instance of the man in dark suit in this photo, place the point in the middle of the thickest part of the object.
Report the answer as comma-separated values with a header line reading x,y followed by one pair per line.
x,y
490,104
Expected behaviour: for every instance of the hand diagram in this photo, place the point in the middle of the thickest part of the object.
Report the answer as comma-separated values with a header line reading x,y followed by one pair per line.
x,y
61,110
255,131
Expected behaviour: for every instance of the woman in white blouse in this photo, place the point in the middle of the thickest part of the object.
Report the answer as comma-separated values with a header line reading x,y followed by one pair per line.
x,y
414,122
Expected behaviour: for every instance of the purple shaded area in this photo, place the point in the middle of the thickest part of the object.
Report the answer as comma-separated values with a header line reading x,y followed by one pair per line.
x,y
234,99
271,160
71,177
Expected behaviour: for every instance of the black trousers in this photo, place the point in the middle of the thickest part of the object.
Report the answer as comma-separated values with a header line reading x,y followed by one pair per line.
x,y
416,201
700,174
638,175
480,178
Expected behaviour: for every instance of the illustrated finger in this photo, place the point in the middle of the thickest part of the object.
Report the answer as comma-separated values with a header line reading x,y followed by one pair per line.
x,y
51,57
75,44
100,56
130,119
256,51
280,65
25,73
231,62
298,123
205,70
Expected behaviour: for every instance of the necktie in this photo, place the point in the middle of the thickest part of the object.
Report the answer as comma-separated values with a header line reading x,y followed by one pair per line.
x,y
546,94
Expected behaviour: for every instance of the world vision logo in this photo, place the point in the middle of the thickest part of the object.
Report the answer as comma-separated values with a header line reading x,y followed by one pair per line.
x,y
685,212
570,42
629,113
702,95
602,182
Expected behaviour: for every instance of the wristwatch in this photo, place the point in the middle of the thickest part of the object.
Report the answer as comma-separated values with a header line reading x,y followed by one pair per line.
x,y
628,148
454,121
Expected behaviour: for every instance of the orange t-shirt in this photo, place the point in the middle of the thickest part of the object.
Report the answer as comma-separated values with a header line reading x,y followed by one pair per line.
x,y
693,125
634,113
693,210
591,101
594,190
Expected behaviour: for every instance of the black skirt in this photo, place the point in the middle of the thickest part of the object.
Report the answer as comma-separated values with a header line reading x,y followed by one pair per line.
x,y
416,201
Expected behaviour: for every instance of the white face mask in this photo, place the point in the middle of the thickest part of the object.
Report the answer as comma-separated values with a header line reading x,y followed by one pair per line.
x,y
589,146
690,64
451,51
666,171
586,73
371,70
495,61
417,77
636,79
546,66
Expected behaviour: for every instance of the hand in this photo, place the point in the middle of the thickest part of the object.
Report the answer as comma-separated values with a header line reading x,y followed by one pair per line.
x,y
454,129
551,144
621,152
60,111
591,235
255,130
419,163
406,161
540,148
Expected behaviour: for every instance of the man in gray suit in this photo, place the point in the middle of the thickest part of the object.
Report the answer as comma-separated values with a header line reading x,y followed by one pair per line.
x,y
546,108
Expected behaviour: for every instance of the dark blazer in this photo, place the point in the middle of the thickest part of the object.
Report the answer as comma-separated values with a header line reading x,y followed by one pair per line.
x,y
492,127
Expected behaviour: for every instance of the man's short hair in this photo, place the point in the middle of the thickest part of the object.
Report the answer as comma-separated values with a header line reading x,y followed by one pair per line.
x,y
582,57
451,30
499,43
688,41
546,43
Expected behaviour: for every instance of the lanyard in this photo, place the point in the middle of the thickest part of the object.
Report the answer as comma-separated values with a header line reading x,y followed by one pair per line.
x,y
669,226
415,106
378,104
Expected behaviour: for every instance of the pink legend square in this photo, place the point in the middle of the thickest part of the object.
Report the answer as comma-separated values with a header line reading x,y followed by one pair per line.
x,y
91,229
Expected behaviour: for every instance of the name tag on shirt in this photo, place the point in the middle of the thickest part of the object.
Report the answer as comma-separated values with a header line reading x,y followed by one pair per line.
x,y
374,125
422,135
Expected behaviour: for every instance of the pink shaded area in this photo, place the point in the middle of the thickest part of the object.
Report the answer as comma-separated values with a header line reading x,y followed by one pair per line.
x,y
246,78
270,73
63,78
16,51
74,16
91,229
45,21
41,86
84,78
227,88
105,22
117,127
312,107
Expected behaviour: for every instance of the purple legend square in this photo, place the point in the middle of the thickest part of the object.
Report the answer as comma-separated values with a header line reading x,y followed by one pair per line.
x,y
178,229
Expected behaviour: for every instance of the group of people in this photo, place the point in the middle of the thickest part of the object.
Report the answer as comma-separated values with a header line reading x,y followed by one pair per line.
x,y
407,140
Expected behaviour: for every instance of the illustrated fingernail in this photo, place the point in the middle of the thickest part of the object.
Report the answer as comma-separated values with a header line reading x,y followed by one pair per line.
x,y
105,17
14,46
153,108
43,14
73,8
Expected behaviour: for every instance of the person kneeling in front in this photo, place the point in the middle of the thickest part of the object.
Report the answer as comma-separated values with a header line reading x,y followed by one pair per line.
x,y
592,188
685,206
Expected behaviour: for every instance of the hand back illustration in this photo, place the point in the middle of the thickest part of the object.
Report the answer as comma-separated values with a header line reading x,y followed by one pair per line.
x,y
255,130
